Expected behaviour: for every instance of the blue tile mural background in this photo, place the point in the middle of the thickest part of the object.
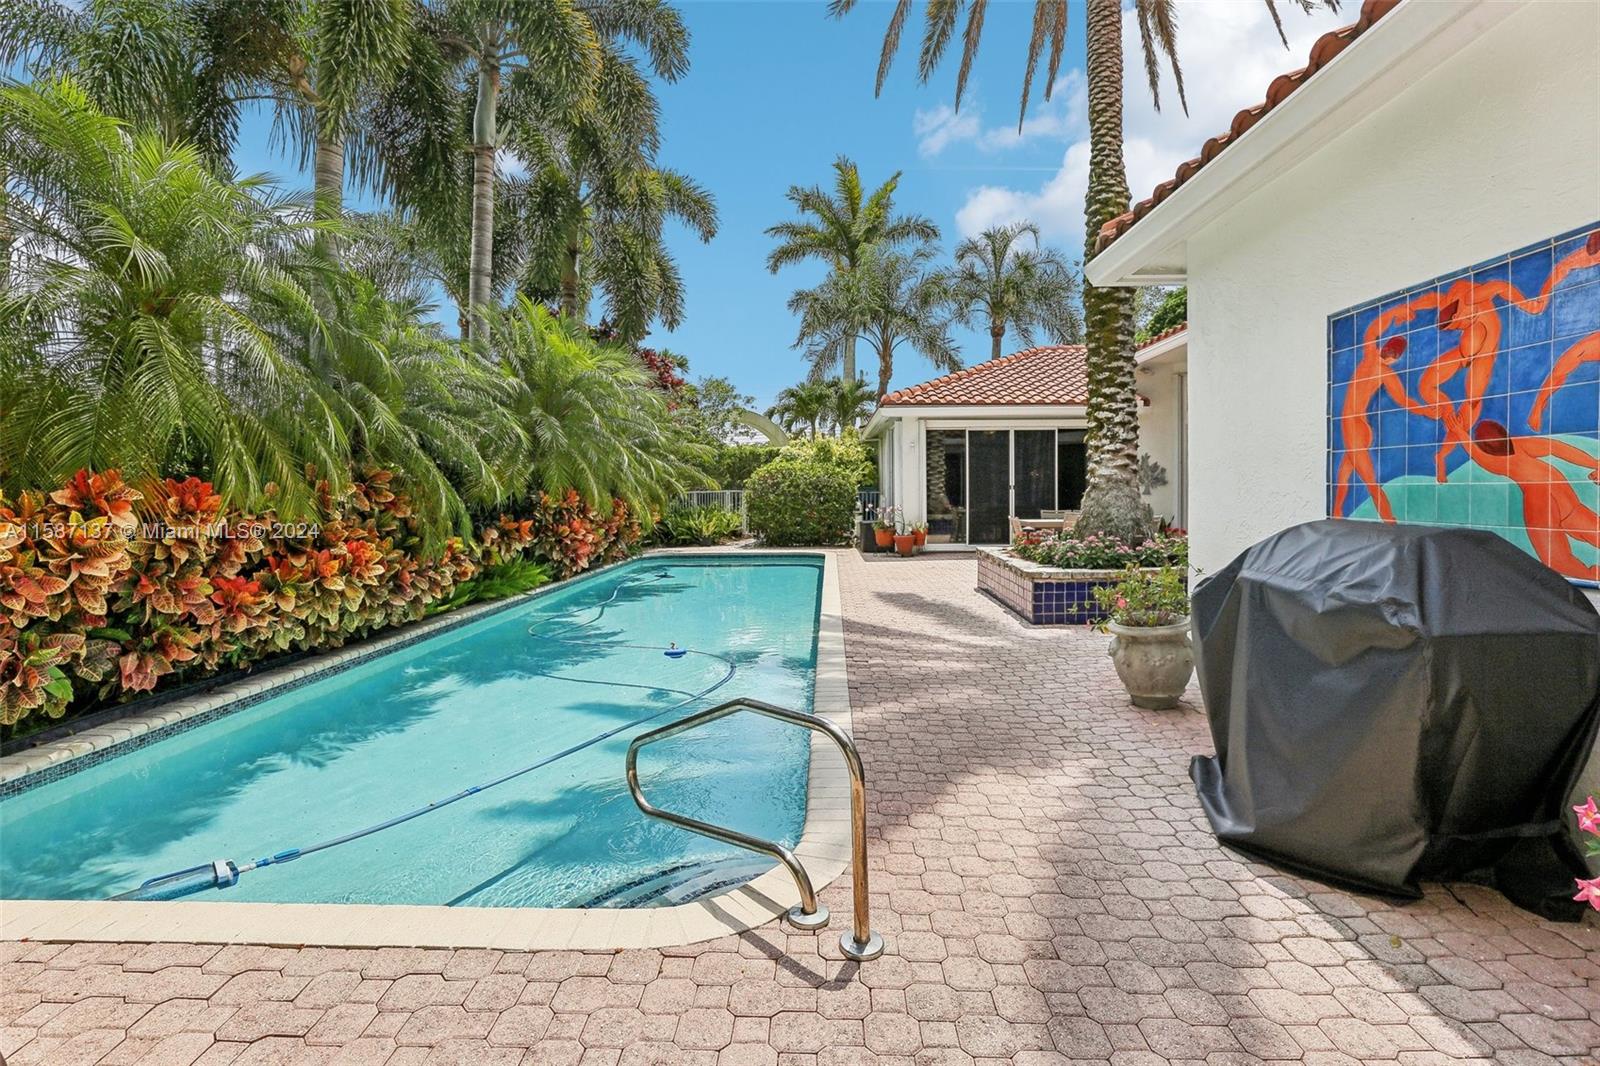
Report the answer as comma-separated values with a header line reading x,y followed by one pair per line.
x,y
1473,399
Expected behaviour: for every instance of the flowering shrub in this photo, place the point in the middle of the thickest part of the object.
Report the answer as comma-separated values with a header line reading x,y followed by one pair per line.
x,y
665,369
1142,598
98,604
1589,822
1069,551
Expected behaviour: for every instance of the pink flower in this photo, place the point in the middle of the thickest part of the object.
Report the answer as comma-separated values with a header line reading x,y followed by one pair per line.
x,y
1122,603
1588,817
1589,892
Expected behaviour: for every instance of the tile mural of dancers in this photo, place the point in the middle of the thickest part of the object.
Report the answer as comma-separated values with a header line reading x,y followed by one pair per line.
x,y
1473,400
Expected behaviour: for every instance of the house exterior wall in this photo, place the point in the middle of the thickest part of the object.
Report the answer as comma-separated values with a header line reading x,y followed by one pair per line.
x,y
1492,151
903,461
1161,435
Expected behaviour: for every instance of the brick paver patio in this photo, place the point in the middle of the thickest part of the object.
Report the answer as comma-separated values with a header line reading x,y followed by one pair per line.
x,y
1047,883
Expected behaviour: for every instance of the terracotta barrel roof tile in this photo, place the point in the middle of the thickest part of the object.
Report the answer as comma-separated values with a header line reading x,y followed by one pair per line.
x,y
1051,375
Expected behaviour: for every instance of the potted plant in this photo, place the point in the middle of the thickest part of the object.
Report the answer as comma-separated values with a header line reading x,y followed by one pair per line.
x,y
904,541
1147,615
883,527
919,535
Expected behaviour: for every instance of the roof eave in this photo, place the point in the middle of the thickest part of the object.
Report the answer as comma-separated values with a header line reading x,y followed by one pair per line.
x,y
1409,42
1161,346
887,412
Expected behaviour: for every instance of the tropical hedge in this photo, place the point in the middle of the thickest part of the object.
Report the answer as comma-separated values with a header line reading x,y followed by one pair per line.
x,y
107,591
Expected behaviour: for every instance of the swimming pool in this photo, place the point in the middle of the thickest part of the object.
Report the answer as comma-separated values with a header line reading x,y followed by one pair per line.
x,y
457,709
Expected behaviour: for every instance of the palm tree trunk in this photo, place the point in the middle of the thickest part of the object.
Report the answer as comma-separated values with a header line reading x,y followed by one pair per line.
x,y
480,289
997,336
570,305
885,369
1111,502
327,178
849,373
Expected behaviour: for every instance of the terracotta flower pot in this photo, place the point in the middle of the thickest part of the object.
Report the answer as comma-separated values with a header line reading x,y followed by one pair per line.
x,y
920,536
904,543
1154,662
885,537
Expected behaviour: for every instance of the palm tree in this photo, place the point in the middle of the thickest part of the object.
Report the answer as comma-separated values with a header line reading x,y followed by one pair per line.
x,y
140,60
415,403
1112,503
842,227
145,312
186,67
891,298
552,52
596,421
321,63
1026,289
849,403
806,404
596,204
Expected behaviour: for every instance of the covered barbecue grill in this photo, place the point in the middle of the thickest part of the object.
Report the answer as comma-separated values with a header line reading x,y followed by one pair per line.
x,y
1394,703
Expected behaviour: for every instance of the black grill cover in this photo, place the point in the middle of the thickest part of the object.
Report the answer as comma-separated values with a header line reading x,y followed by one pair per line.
x,y
1398,703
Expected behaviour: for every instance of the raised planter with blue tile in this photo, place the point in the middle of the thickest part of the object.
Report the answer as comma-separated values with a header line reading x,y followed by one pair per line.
x,y
1043,595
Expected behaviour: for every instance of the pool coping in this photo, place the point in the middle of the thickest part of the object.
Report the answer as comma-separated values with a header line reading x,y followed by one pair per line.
x,y
824,844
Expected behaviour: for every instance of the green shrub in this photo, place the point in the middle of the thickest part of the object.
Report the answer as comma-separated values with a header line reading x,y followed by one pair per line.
x,y
847,453
732,464
496,582
699,525
793,501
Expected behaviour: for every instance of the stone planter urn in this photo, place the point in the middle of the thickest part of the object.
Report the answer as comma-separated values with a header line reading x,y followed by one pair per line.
x,y
1154,662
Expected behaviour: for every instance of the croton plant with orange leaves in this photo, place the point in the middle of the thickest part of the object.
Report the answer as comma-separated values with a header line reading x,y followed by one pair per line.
x,y
107,591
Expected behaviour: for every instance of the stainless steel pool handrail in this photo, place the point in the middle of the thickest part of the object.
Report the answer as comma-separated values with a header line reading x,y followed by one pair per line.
x,y
860,943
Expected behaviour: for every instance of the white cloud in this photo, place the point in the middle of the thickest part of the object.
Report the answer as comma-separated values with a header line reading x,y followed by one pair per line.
x,y
938,129
1230,52
1058,118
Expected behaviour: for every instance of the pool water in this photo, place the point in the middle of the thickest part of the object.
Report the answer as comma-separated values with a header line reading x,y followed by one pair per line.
x,y
459,709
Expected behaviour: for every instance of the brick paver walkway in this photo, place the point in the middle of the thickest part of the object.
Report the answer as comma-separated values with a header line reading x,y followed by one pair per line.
x,y
1040,866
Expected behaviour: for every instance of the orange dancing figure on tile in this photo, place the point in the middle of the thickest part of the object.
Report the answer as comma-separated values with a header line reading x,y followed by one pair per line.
x,y
1469,307
1586,350
1374,372
1552,514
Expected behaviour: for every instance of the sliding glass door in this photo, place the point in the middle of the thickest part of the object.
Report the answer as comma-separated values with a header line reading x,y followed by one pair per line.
x,y
989,484
947,486
978,478
1035,477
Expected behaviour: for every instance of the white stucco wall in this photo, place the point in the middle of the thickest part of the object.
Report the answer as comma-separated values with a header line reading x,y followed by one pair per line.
x,y
1159,433
1494,150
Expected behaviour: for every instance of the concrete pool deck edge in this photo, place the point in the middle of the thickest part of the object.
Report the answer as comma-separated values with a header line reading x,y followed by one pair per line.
x,y
824,847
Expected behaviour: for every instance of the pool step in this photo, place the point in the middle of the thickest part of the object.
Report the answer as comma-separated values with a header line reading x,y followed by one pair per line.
x,y
684,883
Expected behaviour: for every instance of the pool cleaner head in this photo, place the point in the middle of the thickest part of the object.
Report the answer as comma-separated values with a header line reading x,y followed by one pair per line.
x,y
218,874
675,652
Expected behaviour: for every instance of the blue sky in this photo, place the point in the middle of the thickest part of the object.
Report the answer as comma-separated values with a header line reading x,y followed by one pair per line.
x,y
776,90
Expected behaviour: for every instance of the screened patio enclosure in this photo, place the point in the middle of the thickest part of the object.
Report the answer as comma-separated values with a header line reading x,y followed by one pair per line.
x,y
967,452
976,478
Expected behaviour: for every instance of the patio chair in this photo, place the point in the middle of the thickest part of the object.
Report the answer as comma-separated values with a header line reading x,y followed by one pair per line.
x,y
1055,521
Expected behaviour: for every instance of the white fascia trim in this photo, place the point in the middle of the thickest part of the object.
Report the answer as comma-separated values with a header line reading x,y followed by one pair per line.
x,y
1406,45
877,423
1162,347
1045,412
